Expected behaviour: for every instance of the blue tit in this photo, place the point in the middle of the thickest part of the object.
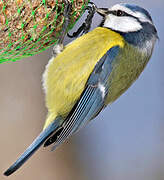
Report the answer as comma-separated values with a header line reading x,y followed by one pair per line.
x,y
92,72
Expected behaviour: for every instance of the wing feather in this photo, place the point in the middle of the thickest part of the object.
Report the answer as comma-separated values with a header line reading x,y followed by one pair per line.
x,y
92,99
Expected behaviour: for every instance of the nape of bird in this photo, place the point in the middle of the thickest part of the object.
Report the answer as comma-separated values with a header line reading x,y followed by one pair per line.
x,y
92,72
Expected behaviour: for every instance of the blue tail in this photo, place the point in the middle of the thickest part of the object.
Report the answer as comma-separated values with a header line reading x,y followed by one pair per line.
x,y
34,146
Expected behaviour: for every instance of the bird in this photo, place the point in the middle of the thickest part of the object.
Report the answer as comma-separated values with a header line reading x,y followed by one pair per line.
x,y
93,71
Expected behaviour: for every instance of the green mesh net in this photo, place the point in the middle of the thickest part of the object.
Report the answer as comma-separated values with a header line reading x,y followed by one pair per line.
x,y
28,27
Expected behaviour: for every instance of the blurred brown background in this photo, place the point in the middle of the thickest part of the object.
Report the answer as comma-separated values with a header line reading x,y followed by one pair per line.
x,y
125,142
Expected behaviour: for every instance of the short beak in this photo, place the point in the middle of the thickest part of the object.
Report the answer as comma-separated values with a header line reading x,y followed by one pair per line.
x,y
102,11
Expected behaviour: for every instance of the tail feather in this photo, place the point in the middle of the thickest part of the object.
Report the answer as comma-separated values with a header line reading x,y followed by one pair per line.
x,y
34,146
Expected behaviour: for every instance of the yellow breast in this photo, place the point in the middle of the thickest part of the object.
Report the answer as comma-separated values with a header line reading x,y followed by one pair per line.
x,y
66,75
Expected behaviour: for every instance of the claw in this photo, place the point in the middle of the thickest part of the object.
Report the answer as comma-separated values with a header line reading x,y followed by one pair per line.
x,y
58,48
85,27
66,14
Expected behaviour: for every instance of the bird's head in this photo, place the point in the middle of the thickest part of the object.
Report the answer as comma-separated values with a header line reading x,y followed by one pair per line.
x,y
131,21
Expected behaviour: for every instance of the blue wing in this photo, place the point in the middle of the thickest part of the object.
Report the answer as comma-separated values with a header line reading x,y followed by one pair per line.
x,y
89,105
92,98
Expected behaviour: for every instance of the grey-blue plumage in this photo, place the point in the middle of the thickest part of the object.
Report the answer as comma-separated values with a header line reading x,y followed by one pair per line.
x,y
124,45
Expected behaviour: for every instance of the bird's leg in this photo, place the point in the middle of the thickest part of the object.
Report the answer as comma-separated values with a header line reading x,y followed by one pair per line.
x,y
85,27
58,48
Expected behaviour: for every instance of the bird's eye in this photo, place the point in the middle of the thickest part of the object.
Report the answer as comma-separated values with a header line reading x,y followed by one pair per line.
x,y
120,13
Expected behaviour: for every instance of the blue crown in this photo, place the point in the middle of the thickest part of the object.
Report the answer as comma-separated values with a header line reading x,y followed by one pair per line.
x,y
135,8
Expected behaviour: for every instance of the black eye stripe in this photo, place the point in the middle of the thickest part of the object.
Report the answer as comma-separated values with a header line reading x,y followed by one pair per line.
x,y
115,12
123,13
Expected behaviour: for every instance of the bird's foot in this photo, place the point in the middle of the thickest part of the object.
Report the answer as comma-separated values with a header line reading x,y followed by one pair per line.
x,y
85,27
58,48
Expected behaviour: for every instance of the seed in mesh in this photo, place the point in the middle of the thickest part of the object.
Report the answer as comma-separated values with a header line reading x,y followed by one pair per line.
x,y
30,26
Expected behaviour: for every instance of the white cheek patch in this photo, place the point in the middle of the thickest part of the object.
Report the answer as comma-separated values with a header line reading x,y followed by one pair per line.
x,y
122,23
